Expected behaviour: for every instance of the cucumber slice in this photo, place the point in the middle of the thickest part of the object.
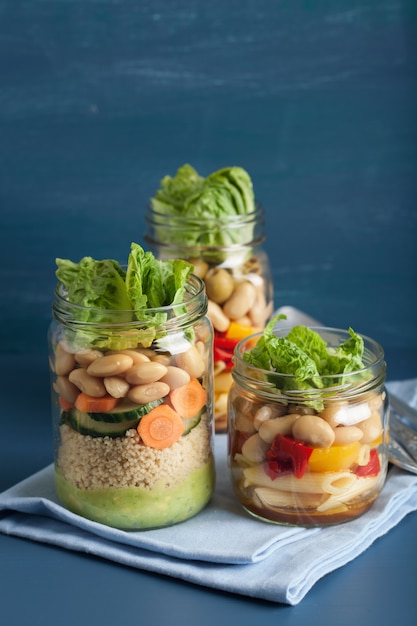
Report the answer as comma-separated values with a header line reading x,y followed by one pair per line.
x,y
192,422
124,411
85,425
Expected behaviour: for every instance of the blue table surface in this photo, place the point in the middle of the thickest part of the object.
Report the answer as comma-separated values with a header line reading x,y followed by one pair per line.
x,y
98,101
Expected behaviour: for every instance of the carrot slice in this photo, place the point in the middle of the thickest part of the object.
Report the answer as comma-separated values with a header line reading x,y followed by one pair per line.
x,y
188,399
88,404
161,427
64,404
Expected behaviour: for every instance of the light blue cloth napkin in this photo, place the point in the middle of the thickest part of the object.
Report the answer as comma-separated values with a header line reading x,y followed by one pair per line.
x,y
222,547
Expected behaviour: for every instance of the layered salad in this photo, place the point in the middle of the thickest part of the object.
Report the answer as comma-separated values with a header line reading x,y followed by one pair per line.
x,y
307,426
131,377
215,223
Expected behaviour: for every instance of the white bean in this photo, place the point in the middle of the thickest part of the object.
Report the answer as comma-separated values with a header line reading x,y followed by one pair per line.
x,y
64,361
254,448
135,355
110,365
241,300
215,314
219,284
268,412
116,386
87,356
91,385
371,428
313,431
175,377
142,394
191,362
65,388
269,429
344,435
147,372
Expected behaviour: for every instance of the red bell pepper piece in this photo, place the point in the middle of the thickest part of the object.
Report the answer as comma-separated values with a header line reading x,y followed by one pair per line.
x,y
223,349
287,456
221,341
372,468
222,355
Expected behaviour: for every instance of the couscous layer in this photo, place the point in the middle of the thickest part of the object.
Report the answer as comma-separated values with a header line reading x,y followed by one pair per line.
x,y
123,483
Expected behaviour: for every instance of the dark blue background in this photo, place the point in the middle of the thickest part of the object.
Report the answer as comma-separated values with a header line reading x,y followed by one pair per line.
x,y
316,99
99,99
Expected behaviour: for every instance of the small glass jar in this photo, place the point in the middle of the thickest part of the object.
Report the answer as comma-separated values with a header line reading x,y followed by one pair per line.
x,y
310,457
237,279
132,451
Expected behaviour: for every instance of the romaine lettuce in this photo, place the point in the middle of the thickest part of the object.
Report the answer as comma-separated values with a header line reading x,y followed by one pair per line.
x,y
305,358
99,288
206,207
93,285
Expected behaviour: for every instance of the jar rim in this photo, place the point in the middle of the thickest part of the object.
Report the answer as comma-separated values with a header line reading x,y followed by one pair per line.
x,y
194,291
237,218
236,231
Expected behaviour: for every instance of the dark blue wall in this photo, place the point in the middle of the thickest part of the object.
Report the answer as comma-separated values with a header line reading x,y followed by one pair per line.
x,y
316,99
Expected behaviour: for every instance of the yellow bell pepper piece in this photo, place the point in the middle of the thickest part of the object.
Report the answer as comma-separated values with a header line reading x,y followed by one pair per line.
x,y
334,458
237,331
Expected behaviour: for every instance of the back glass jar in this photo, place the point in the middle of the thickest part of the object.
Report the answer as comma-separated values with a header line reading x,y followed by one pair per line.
x,y
225,247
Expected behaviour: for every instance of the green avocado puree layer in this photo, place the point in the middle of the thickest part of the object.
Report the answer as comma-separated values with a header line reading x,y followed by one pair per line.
x,y
134,508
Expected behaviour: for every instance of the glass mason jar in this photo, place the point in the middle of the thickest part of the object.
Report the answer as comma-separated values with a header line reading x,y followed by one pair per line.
x,y
132,450
309,457
237,279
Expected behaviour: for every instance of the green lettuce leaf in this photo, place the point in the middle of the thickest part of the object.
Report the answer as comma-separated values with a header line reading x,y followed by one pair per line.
x,y
94,285
176,192
102,287
205,206
306,357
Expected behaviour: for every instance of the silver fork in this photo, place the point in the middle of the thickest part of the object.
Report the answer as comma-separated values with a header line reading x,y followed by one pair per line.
x,y
402,447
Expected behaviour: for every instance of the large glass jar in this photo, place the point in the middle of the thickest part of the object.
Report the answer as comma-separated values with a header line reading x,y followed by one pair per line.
x,y
237,279
133,411
308,457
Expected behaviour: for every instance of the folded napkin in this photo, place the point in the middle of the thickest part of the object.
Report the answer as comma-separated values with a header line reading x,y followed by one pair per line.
x,y
222,547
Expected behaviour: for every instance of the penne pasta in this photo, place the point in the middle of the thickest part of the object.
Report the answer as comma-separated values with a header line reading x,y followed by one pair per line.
x,y
364,455
337,482
274,498
326,482
361,485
